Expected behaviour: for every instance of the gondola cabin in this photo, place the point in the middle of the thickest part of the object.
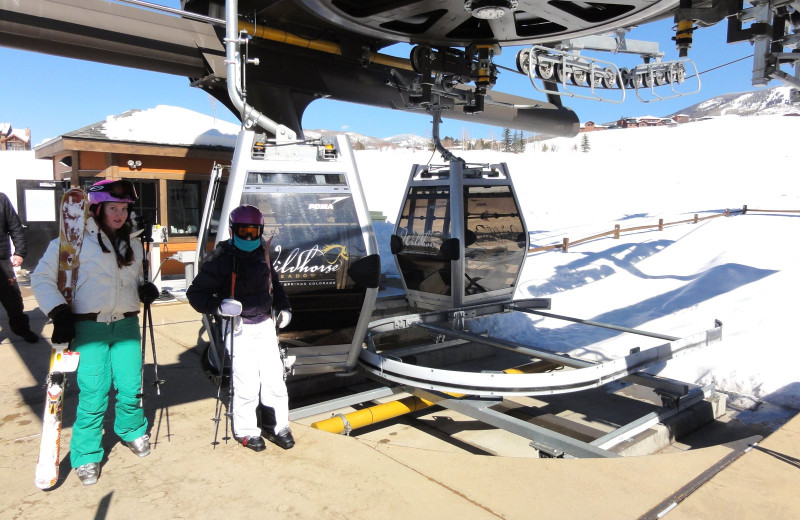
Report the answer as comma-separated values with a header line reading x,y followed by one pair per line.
x,y
321,242
460,237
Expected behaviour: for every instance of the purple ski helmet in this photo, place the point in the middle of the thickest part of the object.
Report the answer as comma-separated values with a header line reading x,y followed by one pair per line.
x,y
246,222
110,191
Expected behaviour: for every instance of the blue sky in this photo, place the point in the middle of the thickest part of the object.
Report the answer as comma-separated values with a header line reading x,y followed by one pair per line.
x,y
53,95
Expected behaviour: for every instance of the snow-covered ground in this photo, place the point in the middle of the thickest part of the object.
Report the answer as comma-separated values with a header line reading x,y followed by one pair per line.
x,y
743,271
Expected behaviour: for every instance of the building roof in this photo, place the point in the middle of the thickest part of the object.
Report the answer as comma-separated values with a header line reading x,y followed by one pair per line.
x,y
162,125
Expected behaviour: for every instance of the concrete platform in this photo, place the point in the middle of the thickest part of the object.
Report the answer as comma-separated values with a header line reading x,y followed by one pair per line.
x,y
332,476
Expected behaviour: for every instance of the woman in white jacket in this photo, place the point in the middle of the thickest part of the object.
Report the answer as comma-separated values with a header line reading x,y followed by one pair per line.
x,y
102,324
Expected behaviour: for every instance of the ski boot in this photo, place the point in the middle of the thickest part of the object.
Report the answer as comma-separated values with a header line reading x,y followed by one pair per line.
x,y
140,446
255,443
283,438
88,473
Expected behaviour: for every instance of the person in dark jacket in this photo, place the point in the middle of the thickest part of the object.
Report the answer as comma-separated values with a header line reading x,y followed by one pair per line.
x,y
237,282
10,296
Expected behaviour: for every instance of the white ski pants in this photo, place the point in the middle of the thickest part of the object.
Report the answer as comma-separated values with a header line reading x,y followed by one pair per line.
x,y
257,373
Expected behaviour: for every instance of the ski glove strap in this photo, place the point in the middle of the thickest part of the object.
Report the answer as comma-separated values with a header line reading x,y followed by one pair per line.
x,y
63,324
230,307
283,318
148,292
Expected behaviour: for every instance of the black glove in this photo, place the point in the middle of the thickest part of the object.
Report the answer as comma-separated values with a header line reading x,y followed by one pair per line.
x,y
63,324
148,292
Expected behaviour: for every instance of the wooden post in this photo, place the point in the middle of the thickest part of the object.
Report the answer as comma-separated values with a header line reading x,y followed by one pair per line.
x,y
695,218
744,209
616,231
661,224
565,245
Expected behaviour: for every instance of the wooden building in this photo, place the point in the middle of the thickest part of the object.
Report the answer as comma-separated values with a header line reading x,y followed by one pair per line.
x,y
16,140
170,179
591,126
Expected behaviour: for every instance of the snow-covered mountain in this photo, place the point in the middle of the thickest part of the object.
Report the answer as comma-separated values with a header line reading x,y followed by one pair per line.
x,y
367,142
774,100
409,141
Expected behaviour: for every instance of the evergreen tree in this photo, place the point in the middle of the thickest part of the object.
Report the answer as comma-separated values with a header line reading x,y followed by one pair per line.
x,y
585,146
506,139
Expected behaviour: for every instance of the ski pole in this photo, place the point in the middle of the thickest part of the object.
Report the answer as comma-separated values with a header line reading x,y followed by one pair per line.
x,y
147,317
148,323
231,327
218,406
148,239
218,409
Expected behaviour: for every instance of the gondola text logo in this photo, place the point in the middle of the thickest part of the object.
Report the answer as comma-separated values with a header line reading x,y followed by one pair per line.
x,y
314,263
415,240
326,205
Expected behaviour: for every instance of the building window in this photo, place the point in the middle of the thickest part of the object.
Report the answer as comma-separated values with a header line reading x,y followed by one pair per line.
x,y
146,208
213,226
183,207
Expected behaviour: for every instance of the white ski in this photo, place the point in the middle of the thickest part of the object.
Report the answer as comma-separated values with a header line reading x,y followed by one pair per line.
x,y
74,212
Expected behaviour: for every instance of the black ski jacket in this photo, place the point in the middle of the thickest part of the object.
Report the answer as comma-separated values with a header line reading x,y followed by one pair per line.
x,y
10,225
213,283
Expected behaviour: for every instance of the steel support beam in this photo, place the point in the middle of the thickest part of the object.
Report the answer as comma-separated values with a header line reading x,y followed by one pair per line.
x,y
480,409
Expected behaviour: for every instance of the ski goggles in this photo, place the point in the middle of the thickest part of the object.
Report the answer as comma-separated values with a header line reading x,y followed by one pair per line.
x,y
247,232
123,190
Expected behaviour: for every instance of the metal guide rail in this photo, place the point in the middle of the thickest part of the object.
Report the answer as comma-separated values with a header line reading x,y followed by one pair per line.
x,y
451,324
486,396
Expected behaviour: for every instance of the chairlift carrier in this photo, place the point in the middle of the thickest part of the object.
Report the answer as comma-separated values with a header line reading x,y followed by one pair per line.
x,y
322,243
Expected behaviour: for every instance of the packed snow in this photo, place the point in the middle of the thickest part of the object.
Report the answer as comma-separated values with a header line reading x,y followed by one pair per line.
x,y
742,270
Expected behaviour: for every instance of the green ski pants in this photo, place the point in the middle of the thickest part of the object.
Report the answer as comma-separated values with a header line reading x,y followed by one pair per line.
x,y
110,352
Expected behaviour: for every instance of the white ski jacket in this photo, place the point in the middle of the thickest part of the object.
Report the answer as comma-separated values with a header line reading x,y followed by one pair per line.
x,y
102,287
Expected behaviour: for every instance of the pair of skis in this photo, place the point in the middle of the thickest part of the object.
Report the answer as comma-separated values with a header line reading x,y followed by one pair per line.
x,y
74,212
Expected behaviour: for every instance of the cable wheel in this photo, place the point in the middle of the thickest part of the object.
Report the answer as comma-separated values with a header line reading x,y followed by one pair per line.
x,y
545,69
660,77
609,78
578,77
625,74
523,60
560,74
680,74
